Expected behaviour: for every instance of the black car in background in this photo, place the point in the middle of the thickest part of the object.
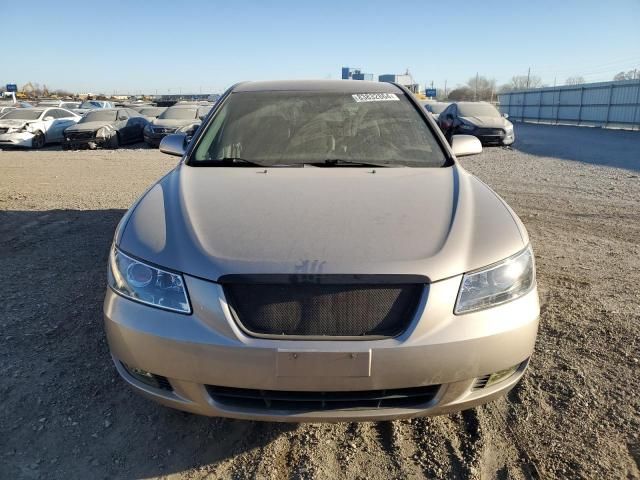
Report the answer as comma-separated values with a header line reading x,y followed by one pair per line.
x,y
106,127
480,119
181,118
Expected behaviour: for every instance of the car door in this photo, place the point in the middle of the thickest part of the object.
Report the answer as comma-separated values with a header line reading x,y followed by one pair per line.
x,y
124,126
62,120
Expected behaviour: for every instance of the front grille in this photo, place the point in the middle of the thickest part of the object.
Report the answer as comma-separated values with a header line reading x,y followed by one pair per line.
x,y
3,130
490,131
324,310
415,397
163,130
79,135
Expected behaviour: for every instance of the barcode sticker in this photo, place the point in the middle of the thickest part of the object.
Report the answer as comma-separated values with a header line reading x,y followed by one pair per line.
x,y
375,97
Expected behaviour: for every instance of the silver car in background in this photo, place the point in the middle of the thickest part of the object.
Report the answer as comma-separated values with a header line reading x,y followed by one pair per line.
x,y
319,254
184,118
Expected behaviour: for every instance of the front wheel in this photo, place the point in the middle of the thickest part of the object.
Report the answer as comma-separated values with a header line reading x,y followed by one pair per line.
x,y
114,142
38,140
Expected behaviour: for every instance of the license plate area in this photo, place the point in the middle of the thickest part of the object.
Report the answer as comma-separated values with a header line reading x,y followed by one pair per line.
x,y
295,363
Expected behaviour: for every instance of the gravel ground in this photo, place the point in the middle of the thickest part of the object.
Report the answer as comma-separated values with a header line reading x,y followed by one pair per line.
x,y
576,414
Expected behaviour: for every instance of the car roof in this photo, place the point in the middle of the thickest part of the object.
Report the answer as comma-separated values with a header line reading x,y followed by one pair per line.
x,y
337,86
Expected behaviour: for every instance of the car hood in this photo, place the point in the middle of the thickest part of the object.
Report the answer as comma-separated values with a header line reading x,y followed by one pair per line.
x,y
486,122
165,122
89,126
15,123
210,222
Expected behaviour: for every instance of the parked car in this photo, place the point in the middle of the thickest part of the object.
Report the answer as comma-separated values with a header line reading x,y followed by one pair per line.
x,y
435,108
319,254
480,119
151,113
182,118
6,108
89,105
107,127
34,127
68,104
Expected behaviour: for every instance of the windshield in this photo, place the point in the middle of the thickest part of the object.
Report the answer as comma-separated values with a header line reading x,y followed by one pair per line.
x,y
90,105
151,112
99,116
22,114
477,110
280,127
179,113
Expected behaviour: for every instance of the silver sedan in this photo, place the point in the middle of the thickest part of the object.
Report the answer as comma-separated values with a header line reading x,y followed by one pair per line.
x,y
319,254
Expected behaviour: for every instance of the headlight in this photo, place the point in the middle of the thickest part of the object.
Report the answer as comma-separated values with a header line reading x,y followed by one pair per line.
x,y
144,283
497,284
104,132
466,126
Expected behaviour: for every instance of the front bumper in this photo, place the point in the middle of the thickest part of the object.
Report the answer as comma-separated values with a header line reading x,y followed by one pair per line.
x,y
153,139
207,348
16,139
486,137
80,143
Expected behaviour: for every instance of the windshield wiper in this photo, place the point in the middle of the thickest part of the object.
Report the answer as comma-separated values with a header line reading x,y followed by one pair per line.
x,y
336,162
227,161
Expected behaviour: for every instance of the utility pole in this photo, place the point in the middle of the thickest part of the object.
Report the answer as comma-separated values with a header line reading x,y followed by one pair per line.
x,y
528,77
475,93
445,88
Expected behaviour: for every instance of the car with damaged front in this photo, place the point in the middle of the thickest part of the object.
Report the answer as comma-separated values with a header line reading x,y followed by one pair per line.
x,y
319,254
480,119
35,127
182,118
108,128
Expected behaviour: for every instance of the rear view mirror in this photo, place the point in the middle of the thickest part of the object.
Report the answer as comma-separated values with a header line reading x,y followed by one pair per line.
x,y
174,144
463,145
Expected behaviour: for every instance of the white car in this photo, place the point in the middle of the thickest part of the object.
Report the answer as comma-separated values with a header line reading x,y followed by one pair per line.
x,y
89,105
34,127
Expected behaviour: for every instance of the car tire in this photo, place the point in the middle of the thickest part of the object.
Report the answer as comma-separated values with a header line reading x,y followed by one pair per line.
x,y
38,140
114,142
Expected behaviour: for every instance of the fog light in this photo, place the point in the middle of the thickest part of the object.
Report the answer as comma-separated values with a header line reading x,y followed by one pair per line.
x,y
148,378
496,377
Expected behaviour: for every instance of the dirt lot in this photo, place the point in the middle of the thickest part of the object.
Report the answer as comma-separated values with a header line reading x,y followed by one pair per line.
x,y
65,413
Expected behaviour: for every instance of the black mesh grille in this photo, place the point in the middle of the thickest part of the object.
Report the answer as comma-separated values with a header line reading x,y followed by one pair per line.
x,y
79,135
414,397
490,131
324,310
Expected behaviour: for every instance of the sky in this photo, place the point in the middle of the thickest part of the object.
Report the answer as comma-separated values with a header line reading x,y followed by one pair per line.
x,y
205,46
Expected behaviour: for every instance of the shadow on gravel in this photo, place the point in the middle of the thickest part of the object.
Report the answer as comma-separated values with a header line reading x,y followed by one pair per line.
x,y
64,412
598,146
58,148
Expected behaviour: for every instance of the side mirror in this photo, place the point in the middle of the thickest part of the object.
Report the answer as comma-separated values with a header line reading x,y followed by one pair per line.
x,y
463,145
174,144
505,115
48,118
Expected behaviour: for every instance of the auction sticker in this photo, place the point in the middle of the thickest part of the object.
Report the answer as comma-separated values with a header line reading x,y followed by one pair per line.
x,y
375,97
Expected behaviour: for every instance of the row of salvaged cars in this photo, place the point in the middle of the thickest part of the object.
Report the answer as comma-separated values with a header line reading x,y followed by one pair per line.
x,y
95,123
480,119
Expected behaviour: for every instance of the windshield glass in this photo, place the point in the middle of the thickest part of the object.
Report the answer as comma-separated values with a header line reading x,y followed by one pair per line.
x,y
477,110
151,111
90,105
22,114
99,116
280,127
179,113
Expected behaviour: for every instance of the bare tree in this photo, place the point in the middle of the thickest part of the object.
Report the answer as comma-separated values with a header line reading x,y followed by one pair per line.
x,y
522,82
630,75
574,80
461,94
482,88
